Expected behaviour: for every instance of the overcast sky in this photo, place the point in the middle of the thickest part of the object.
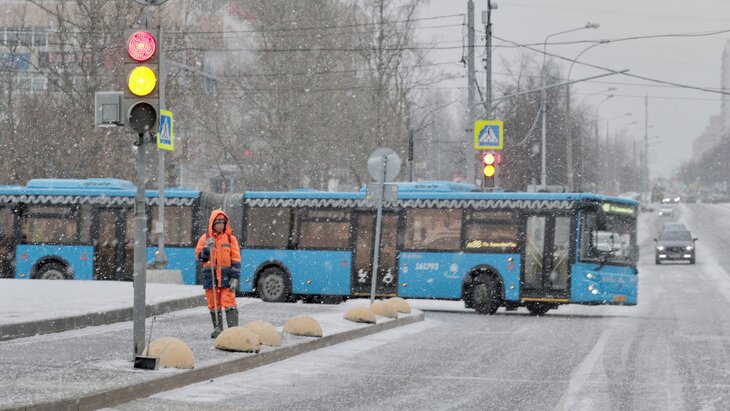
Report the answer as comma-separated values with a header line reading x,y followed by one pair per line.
x,y
678,115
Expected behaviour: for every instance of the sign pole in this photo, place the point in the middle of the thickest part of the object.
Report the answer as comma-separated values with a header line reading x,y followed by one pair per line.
x,y
160,256
378,222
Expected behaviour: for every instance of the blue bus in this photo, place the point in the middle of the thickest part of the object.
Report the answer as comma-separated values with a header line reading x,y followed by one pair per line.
x,y
442,241
84,229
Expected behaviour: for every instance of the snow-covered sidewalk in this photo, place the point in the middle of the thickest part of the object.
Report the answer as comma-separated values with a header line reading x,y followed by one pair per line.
x,y
93,365
34,300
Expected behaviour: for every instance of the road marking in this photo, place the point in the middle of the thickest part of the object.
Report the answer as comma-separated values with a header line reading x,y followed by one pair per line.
x,y
582,374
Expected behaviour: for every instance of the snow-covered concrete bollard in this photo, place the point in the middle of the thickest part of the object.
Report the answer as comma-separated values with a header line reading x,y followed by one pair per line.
x,y
172,353
238,339
266,332
303,325
384,309
360,314
400,305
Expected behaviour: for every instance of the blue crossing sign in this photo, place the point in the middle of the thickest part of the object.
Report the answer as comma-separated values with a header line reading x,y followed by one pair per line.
x,y
488,134
166,137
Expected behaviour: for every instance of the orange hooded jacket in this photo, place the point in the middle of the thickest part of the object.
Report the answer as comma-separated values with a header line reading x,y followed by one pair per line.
x,y
225,255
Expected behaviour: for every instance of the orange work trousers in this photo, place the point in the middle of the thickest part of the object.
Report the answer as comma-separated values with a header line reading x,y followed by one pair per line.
x,y
223,297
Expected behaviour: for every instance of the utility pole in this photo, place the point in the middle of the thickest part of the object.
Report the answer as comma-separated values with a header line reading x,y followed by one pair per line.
x,y
487,20
646,182
469,151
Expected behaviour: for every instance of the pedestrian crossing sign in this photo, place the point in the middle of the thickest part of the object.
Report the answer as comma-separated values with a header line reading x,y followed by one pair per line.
x,y
488,134
166,137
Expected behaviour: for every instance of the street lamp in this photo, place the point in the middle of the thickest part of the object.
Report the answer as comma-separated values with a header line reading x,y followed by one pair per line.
x,y
607,165
568,131
543,107
608,121
612,88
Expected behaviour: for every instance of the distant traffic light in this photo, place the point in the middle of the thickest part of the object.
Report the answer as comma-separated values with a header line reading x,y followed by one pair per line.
x,y
489,164
141,99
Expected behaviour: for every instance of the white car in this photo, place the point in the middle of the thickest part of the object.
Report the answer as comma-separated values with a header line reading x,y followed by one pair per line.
x,y
666,211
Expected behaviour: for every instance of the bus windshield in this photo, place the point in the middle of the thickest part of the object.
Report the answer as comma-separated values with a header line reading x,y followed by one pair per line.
x,y
610,238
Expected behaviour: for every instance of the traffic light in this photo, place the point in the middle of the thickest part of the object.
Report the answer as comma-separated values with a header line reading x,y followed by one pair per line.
x,y
489,162
141,99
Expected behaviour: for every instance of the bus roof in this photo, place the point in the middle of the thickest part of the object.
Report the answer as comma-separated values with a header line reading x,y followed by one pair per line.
x,y
438,190
92,187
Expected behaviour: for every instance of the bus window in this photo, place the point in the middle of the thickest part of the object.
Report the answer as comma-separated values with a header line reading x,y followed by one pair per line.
x,y
7,249
178,226
534,251
268,227
325,229
561,253
491,231
49,224
433,229
105,257
611,237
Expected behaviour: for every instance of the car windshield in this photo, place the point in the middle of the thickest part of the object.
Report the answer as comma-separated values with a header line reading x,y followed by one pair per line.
x,y
676,235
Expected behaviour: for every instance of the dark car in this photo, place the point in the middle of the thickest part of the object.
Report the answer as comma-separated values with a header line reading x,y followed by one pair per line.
x,y
675,245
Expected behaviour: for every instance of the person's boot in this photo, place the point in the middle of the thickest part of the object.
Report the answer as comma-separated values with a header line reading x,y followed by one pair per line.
x,y
232,317
217,323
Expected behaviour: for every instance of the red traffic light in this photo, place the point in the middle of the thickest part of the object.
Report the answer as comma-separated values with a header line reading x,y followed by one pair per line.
x,y
141,46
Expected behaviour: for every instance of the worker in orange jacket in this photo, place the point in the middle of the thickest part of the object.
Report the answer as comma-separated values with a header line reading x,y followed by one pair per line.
x,y
218,250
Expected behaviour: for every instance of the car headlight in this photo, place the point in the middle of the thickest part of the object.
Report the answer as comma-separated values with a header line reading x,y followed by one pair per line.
x,y
660,248
689,248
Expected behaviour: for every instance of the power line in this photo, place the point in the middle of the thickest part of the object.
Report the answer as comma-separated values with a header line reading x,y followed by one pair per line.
x,y
650,79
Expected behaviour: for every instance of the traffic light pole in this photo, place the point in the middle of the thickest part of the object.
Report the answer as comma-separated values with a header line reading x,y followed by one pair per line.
x,y
140,266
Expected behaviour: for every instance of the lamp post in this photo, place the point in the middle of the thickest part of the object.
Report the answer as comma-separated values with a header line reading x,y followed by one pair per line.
x,y
609,120
621,165
568,126
543,107
596,148
608,144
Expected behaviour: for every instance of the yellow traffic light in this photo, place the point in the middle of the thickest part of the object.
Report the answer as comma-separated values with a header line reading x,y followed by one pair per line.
x,y
489,161
141,81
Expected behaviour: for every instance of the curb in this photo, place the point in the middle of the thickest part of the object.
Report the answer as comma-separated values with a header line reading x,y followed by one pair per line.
x,y
122,395
57,325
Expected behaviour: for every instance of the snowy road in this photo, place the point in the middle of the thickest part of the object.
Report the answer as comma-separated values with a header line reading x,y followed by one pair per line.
x,y
671,352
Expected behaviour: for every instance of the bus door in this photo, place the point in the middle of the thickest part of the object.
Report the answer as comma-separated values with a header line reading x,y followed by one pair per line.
x,y
112,253
546,269
362,267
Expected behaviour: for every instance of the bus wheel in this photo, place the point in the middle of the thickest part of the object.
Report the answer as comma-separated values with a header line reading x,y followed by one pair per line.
x,y
538,308
272,286
485,296
52,271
